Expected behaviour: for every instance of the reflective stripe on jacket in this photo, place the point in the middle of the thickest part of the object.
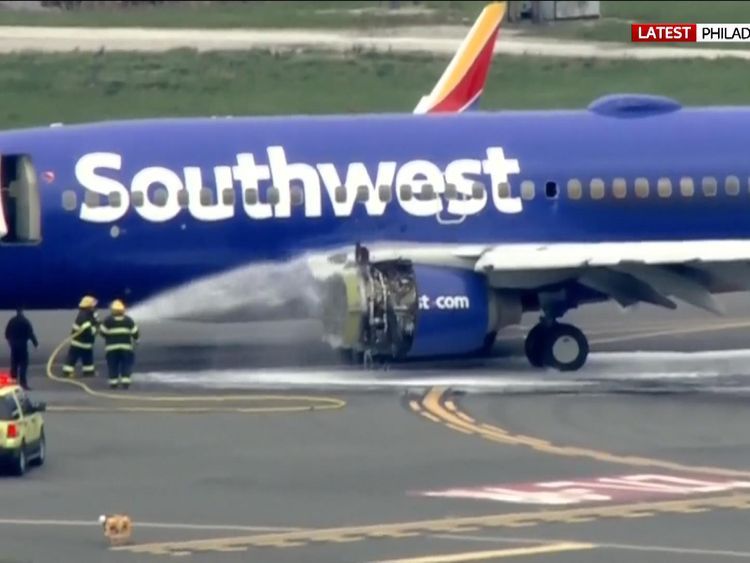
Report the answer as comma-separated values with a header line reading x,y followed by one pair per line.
x,y
85,323
119,332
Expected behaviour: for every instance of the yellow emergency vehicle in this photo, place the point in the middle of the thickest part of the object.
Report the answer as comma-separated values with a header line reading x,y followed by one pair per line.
x,y
22,441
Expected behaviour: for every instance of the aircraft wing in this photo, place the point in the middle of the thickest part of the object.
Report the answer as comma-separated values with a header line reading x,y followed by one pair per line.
x,y
463,80
628,272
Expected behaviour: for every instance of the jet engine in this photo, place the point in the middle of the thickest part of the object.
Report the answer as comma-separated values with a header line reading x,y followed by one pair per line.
x,y
397,310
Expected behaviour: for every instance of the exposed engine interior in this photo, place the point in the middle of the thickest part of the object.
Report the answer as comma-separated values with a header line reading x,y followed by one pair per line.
x,y
374,308
396,310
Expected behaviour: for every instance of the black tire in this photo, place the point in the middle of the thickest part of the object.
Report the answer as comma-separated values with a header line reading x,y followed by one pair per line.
x,y
575,348
42,455
534,345
19,466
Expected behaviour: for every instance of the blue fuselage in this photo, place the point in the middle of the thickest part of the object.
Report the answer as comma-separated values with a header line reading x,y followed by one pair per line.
x,y
136,251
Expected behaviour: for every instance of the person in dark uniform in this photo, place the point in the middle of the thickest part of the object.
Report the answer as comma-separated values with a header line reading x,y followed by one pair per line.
x,y
84,335
18,332
120,333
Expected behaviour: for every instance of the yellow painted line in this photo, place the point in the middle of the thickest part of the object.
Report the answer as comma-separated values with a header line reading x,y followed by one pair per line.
x,y
433,403
429,416
496,554
362,533
458,428
465,417
181,410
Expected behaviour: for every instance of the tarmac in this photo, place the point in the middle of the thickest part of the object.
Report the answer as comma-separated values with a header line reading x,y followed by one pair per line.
x,y
648,465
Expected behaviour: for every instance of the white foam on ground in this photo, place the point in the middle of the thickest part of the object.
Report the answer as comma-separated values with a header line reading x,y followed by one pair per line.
x,y
504,375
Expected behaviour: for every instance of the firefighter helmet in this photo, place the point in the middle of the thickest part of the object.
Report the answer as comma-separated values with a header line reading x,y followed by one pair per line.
x,y
117,306
87,302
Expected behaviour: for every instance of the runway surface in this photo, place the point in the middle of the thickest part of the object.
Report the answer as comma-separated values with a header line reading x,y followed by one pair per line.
x,y
643,456
427,39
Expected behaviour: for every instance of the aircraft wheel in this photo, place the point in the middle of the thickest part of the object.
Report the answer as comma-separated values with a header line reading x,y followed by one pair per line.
x,y
566,347
535,345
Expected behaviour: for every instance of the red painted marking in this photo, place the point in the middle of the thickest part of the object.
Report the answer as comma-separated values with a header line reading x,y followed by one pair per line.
x,y
600,489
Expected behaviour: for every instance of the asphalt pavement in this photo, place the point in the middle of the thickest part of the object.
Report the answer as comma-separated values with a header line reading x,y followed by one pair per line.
x,y
413,472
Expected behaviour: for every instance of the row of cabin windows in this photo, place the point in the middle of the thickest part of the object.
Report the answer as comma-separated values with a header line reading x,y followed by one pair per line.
x,y
597,189
664,188
160,196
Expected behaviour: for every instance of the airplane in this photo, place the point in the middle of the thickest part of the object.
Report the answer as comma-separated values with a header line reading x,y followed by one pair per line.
x,y
409,235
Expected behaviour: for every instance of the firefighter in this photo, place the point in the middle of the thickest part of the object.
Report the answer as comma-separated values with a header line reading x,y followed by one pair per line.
x,y
84,335
120,333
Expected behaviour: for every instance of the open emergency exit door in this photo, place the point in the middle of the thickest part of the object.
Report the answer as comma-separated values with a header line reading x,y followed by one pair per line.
x,y
21,217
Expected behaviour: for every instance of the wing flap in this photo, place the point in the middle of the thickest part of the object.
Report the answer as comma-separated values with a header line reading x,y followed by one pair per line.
x,y
672,283
624,289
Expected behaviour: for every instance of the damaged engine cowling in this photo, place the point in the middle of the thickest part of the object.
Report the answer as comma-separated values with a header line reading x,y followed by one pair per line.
x,y
398,310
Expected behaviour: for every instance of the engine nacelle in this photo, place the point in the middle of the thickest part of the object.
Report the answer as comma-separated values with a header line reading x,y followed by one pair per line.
x,y
399,310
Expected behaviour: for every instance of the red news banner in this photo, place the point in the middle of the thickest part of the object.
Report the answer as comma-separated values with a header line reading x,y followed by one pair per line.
x,y
689,32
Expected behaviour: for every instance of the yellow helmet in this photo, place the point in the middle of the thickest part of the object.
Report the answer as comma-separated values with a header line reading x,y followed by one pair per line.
x,y
87,302
117,306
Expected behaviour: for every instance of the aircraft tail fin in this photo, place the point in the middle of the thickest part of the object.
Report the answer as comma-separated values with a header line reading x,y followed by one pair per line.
x,y
463,80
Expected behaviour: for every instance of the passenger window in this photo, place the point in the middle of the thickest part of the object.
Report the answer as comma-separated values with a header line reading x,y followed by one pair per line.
x,y
528,190
297,194
137,199
641,187
183,198
620,188
575,189
597,188
384,192
251,196
451,191
732,185
160,197
8,408
92,199
206,197
340,193
503,190
273,195
664,187
709,186
477,190
115,200
426,192
363,194
25,402
69,200
405,192
227,196
687,188
550,188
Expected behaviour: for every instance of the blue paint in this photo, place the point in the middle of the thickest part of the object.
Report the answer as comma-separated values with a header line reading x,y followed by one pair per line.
x,y
76,257
453,314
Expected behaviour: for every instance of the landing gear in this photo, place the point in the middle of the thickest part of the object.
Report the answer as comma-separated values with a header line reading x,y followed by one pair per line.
x,y
557,345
